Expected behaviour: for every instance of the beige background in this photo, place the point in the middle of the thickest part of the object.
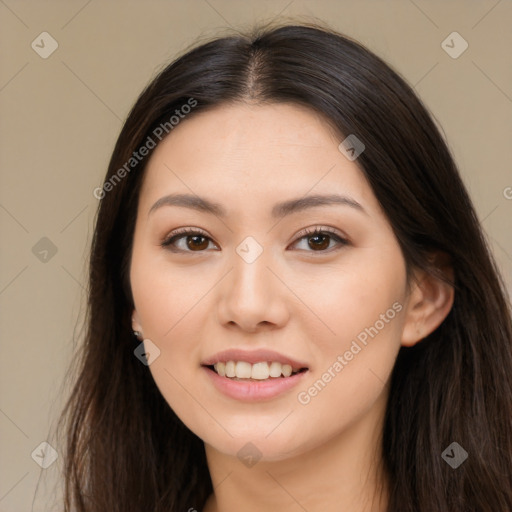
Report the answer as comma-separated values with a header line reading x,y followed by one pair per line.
x,y
60,117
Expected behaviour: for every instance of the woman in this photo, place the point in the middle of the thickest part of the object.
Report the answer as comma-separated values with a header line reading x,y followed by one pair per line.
x,y
291,302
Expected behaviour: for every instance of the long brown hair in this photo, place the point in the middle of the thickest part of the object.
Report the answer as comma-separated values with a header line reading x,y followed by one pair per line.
x,y
127,451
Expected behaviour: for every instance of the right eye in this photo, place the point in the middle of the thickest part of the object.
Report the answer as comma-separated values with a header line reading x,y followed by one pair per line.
x,y
195,240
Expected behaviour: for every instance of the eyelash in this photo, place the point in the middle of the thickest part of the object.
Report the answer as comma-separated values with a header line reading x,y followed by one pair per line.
x,y
306,233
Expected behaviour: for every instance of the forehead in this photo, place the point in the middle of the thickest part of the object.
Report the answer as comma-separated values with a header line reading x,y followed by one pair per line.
x,y
256,152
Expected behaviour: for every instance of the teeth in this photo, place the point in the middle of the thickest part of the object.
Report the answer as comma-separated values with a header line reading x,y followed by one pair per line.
x,y
243,370
230,369
286,369
220,368
257,371
275,369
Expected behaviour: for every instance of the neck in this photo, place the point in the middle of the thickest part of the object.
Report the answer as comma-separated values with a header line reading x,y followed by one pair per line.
x,y
344,473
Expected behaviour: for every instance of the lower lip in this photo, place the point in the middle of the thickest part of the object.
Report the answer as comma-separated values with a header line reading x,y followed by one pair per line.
x,y
250,390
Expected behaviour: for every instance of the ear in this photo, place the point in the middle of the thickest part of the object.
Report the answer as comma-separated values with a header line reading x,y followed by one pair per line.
x,y
430,301
136,322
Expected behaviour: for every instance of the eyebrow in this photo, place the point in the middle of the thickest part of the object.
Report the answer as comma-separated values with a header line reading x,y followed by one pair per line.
x,y
279,210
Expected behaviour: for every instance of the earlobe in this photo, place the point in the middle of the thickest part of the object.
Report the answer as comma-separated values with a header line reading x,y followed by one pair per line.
x,y
136,327
430,302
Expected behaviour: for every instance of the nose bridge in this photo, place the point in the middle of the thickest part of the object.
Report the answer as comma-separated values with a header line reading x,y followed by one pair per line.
x,y
250,276
250,295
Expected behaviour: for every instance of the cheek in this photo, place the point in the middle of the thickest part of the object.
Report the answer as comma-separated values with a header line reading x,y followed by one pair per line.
x,y
166,294
363,294
167,300
364,307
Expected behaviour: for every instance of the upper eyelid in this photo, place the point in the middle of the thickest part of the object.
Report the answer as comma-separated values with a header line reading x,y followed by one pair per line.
x,y
303,232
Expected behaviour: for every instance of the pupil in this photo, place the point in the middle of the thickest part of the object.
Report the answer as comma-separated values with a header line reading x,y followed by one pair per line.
x,y
321,245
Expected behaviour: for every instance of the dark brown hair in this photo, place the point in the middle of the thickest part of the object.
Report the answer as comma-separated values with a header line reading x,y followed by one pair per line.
x,y
126,449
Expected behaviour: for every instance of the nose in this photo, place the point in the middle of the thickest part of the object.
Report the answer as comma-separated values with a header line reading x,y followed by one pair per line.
x,y
252,297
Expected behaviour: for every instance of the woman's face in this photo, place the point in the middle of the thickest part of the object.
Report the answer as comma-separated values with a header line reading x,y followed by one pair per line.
x,y
250,278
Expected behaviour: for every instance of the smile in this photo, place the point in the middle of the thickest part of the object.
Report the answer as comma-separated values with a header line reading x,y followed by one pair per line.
x,y
253,389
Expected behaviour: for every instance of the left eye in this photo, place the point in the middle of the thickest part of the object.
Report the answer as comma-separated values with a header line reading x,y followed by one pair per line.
x,y
319,240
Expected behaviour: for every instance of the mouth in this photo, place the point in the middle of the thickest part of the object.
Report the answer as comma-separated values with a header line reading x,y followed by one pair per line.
x,y
269,381
254,375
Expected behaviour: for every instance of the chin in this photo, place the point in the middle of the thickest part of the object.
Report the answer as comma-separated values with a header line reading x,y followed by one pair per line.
x,y
252,447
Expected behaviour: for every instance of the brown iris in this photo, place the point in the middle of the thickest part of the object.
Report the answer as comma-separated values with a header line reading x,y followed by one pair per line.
x,y
192,242
322,245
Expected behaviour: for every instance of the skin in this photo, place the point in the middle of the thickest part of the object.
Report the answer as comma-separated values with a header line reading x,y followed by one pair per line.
x,y
306,302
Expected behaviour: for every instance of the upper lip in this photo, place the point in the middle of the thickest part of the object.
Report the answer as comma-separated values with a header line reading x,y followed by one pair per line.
x,y
253,356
